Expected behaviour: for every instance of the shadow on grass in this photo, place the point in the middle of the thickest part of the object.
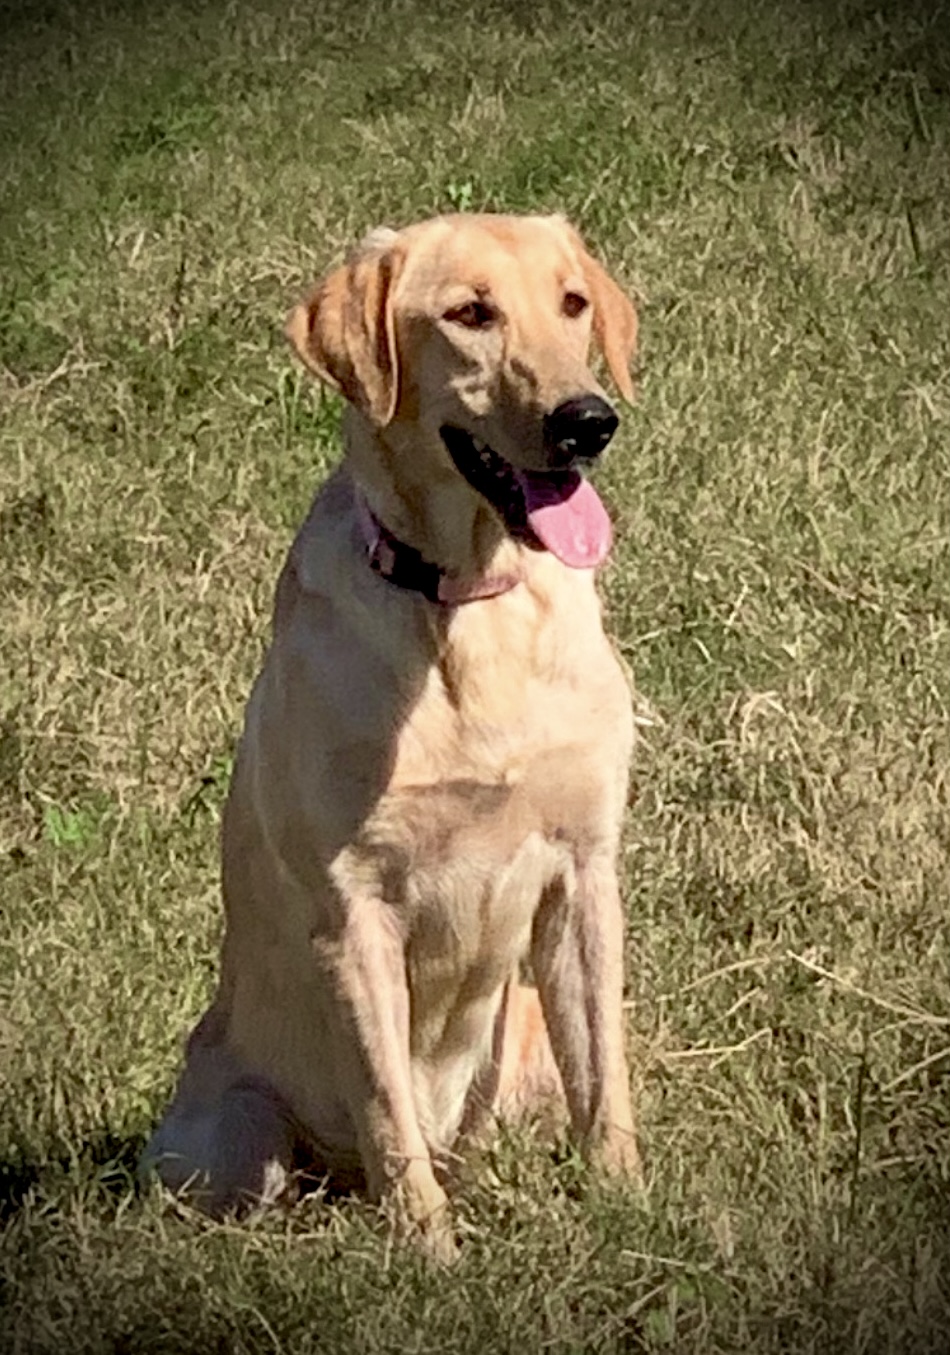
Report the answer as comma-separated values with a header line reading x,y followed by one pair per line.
x,y
876,1280
108,1158
111,1160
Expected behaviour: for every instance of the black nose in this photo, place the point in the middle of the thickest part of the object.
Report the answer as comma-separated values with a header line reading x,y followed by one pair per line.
x,y
579,430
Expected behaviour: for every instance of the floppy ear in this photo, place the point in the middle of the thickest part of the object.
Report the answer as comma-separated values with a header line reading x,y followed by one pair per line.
x,y
345,332
615,324
615,320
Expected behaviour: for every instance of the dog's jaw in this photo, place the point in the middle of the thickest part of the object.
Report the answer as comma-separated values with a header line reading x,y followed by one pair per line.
x,y
554,510
489,475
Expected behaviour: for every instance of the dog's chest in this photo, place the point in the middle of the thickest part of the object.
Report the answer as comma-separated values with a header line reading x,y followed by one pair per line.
x,y
464,823
481,815
507,770
463,864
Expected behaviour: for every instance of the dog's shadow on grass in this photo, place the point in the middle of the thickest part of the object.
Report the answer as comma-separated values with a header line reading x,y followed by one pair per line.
x,y
111,1161
107,1158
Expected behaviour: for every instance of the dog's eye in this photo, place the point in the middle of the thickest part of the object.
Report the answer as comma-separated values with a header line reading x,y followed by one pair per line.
x,y
574,304
473,315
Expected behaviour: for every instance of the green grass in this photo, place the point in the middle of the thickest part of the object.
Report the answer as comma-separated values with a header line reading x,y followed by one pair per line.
x,y
772,184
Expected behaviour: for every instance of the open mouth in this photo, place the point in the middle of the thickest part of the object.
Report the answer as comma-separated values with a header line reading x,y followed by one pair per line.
x,y
554,510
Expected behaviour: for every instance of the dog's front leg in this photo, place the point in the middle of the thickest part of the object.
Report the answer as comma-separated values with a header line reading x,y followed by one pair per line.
x,y
577,955
363,975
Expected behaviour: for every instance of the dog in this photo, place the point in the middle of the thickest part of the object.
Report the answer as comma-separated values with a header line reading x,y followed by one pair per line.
x,y
433,770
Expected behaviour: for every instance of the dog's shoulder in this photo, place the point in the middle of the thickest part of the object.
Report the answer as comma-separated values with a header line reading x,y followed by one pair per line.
x,y
325,533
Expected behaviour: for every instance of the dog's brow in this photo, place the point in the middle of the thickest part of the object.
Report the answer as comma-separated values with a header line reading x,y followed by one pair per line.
x,y
458,291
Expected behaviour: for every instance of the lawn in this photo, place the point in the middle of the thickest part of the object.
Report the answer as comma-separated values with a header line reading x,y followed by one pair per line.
x,y
771,184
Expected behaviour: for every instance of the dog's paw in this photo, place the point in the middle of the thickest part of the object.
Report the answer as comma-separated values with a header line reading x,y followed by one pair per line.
x,y
436,1237
617,1155
419,1212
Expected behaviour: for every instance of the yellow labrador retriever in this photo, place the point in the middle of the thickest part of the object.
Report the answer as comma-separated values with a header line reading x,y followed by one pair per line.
x,y
433,771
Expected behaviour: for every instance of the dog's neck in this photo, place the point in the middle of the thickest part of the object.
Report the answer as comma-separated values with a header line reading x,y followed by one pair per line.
x,y
424,528
406,567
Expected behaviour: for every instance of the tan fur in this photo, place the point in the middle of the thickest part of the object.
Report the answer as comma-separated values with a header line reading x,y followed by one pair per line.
x,y
424,796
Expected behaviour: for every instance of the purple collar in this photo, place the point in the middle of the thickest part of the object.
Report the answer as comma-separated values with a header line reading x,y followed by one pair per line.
x,y
404,567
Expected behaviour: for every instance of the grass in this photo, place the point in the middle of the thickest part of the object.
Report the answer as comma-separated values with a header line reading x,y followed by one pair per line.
x,y
771,183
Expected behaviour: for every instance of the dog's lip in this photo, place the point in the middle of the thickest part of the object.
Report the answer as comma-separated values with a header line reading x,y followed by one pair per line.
x,y
460,440
490,474
554,510
491,470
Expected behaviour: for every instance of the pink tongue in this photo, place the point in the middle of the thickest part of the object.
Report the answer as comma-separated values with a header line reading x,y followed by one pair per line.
x,y
567,516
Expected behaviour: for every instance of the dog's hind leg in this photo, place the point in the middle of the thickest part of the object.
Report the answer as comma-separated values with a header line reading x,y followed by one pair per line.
x,y
227,1141
520,1081
529,1083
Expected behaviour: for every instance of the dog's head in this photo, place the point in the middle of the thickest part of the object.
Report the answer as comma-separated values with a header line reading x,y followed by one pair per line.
x,y
473,332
